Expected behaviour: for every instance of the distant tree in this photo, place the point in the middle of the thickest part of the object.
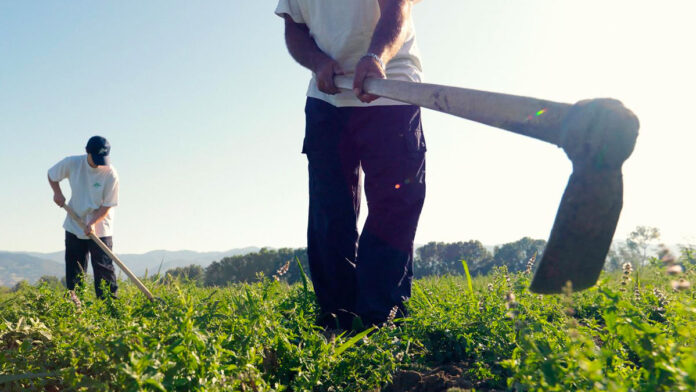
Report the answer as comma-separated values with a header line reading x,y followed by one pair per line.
x,y
613,261
640,239
193,273
618,255
629,254
51,281
22,284
688,254
635,251
428,259
514,255
439,258
245,268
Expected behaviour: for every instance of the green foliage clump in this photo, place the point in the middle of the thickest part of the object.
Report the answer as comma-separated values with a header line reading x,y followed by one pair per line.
x,y
192,273
245,268
632,332
440,258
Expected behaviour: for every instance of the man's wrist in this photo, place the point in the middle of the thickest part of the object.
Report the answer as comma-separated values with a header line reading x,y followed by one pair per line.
x,y
318,60
376,58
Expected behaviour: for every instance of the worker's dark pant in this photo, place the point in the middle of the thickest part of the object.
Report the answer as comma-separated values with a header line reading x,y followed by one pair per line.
x,y
76,251
369,275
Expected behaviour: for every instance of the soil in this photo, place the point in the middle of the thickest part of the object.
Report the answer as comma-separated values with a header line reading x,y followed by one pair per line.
x,y
450,377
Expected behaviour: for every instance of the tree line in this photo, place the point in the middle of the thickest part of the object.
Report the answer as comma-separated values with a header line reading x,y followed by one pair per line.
x,y
434,258
431,259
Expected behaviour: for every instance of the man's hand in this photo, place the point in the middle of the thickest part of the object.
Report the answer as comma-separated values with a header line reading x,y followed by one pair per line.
x,y
387,39
97,216
59,199
304,49
325,72
367,67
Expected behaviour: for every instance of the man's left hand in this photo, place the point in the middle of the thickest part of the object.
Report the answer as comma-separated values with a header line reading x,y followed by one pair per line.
x,y
367,67
88,229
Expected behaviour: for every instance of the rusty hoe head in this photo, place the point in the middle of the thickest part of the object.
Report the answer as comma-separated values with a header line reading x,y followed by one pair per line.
x,y
598,135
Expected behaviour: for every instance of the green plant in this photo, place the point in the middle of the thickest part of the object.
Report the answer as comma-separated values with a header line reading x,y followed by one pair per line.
x,y
637,336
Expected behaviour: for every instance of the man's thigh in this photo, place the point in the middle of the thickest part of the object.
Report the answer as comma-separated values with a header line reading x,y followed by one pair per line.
x,y
384,132
76,249
334,168
101,262
392,152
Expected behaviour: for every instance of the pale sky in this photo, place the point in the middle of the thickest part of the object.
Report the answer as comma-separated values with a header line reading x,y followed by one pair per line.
x,y
203,107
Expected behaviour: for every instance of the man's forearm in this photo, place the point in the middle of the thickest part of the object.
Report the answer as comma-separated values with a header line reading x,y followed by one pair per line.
x,y
389,34
301,45
55,186
98,215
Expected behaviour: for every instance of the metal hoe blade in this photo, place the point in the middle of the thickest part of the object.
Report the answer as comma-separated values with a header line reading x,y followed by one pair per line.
x,y
582,233
598,136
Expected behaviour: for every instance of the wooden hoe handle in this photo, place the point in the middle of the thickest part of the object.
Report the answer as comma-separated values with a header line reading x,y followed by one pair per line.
x,y
111,254
533,117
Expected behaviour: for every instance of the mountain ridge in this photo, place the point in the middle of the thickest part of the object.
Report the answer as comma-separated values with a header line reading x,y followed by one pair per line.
x,y
30,266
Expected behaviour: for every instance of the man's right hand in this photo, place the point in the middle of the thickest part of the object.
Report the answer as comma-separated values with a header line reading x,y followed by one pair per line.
x,y
59,199
325,72
305,51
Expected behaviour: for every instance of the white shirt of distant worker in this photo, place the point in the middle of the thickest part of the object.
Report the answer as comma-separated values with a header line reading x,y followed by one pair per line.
x,y
94,194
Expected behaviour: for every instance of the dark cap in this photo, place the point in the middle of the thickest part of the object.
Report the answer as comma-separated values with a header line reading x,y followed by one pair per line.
x,y
99,148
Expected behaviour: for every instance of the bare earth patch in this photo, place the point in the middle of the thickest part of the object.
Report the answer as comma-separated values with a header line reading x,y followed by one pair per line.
x,y
449,377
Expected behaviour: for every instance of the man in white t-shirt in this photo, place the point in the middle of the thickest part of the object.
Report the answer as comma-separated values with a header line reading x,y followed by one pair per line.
x,y
94,194
370,274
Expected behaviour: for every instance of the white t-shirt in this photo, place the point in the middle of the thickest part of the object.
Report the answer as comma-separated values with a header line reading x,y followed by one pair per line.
x,y
343,30
91,188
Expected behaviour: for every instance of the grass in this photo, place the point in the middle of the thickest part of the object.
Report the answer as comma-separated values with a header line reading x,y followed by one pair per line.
x,y
637,336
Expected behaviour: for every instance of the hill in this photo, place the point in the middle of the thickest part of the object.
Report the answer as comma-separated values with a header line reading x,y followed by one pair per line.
x,y
17,266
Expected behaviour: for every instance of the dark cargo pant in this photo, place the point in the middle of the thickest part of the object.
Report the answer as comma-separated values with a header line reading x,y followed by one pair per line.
x,y
76,251
369,275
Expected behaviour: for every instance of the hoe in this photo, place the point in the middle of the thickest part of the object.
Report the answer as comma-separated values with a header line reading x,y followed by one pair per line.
x,y
598,135
111,254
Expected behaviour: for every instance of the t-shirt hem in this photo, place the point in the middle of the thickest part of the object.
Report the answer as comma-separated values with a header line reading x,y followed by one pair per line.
x,y
344,103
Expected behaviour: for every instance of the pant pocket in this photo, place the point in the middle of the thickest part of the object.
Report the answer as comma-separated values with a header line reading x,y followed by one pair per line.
x,y
322,129
415,140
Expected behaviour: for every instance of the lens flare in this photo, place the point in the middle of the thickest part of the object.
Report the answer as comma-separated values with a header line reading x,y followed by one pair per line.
x,y
537,114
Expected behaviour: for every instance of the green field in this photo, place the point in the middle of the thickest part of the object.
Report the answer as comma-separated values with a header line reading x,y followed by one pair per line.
x,y
491,335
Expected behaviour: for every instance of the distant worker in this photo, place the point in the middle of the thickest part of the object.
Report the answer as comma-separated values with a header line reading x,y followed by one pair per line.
x,y
94,194
368,275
